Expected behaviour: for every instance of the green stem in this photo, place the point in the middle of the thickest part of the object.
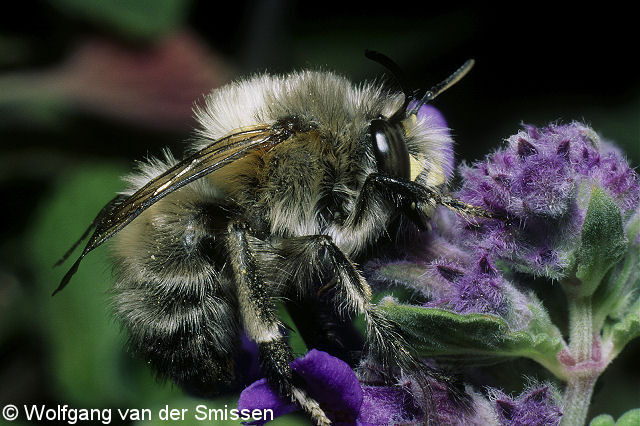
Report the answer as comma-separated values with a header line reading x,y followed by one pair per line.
x,y
583,375
577,398
580,328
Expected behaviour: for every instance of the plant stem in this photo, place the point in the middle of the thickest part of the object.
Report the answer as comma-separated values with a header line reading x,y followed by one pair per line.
x,y
582,376
580,328
577,397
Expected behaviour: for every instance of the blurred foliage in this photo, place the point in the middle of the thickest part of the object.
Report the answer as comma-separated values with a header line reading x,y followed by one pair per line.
x,y
60,161
138,19
630,418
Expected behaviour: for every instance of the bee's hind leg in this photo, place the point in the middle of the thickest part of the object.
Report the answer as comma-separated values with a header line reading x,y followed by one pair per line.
x,y
259,315
321,328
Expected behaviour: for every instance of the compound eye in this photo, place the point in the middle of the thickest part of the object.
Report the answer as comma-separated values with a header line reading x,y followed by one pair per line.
x,y
389,148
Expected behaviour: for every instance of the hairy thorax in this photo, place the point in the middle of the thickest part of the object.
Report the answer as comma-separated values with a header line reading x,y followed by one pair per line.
x,y
301,187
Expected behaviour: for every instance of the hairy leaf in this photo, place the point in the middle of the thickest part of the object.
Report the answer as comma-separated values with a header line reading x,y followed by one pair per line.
x,y
475,338
603,242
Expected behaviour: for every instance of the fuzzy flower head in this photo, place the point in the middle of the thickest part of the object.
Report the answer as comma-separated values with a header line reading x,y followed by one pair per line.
x,y
448,274
475,288
535,406
543,182
347,401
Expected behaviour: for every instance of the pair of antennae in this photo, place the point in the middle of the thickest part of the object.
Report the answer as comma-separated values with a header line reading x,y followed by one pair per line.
x,y
430,94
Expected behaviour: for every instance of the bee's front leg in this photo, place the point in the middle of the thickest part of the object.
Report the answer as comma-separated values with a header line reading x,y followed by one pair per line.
x,y
386,193
410,198
259,315
365,222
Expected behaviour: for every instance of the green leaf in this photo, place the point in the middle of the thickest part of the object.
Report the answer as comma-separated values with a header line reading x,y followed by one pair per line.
x,y
476,338
603,420
402,278
602,245
630,418
617,301
616,294
622,330
145,19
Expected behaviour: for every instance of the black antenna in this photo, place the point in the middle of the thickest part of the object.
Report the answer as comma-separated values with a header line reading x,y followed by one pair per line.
x,y
410,95
432,93
389,64
397,73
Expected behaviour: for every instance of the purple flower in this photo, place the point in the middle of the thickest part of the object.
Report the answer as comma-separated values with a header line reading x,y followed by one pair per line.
x,y
447,273
534,407
327,379
382,405
475,288
332,383
542,182
346,401
259,395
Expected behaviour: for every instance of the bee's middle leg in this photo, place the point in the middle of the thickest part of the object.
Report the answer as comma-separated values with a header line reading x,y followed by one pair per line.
x,y
259,315
352,295
386,346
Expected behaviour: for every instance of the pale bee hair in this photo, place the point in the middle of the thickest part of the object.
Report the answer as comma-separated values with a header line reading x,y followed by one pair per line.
x,y
280,194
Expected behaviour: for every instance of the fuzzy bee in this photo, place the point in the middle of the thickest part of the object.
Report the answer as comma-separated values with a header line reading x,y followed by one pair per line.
x,y
289,181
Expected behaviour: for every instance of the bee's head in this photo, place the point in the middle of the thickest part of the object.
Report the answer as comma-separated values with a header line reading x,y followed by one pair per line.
x,y
387,135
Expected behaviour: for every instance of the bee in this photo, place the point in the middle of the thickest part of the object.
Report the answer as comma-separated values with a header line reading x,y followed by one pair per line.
x,y
290,179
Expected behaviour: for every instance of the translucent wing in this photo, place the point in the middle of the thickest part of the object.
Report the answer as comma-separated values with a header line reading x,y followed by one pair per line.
x,y
122,210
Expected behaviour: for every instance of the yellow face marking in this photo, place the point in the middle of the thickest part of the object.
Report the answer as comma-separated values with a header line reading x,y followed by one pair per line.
x,y
436,176
409,122
415,167
415,164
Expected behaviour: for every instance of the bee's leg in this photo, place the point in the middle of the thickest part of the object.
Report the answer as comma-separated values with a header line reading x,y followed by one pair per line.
x,y
409,197
386,345
260,319
386,191
352,294
321,328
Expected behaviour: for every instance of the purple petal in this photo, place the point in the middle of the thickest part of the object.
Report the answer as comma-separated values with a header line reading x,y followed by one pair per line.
x,y
332,383
328,380
259,395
